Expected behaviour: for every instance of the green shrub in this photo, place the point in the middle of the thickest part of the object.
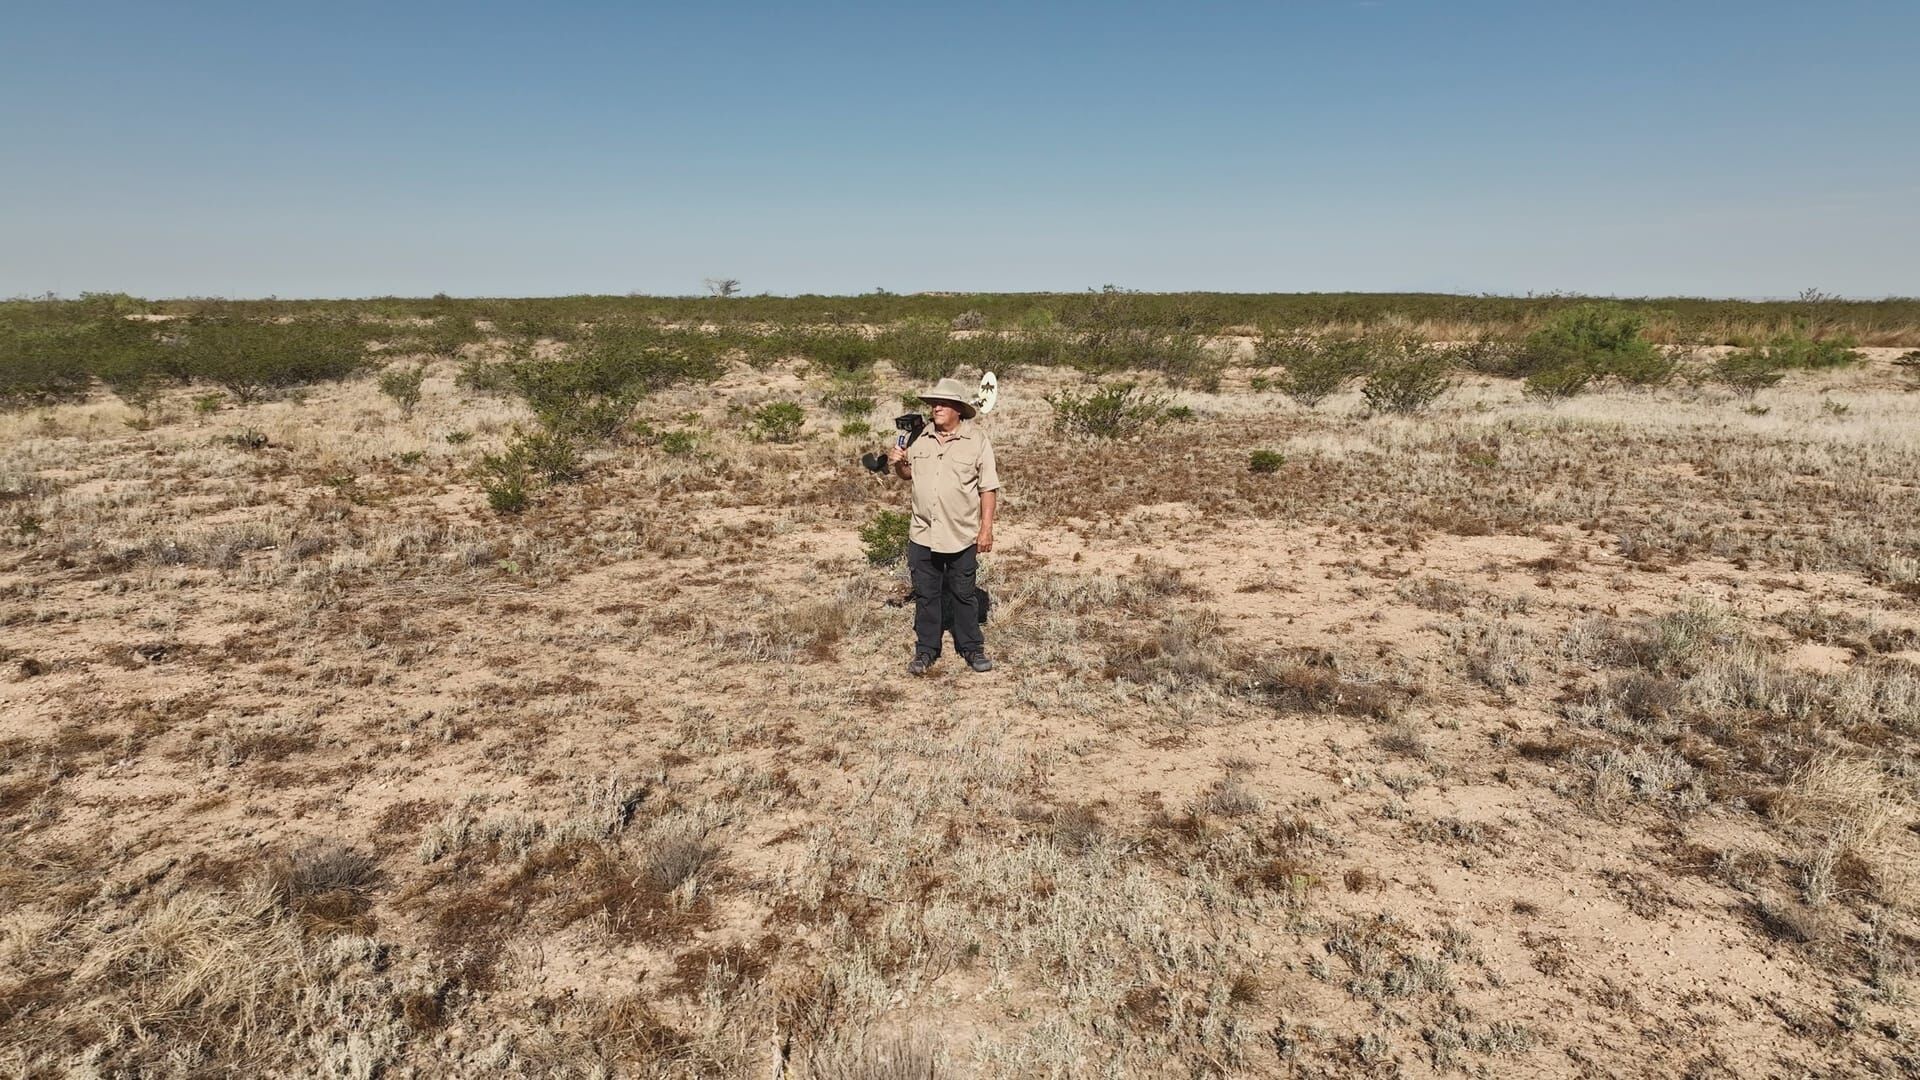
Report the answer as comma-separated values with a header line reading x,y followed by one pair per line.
x,y
1799,352
1747,371
849,398
402,383
1599,339
592,390
1486,355
1315,376
677,443
485,377
530,458
43,359
552,456
856,429
446,337
251,359
1558,384
921,350
1314,369
885,536
778,421
504,478
1412,379
1265,461
1107,412
1179,414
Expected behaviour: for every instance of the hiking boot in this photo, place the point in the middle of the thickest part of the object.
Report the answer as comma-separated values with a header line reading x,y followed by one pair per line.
x,y
921,662
979,662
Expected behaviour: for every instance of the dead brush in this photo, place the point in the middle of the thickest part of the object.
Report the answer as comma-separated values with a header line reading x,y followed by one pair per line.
x,y
1312,682
1185,651
815,628
327,886
887,1055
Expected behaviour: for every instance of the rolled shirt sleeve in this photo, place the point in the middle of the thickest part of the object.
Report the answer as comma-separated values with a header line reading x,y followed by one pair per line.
x,y
989,474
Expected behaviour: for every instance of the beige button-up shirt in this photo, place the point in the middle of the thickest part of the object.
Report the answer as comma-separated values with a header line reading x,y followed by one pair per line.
x,y
948,479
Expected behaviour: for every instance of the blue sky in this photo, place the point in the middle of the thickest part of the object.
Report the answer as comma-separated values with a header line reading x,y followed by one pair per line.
x,y
248,149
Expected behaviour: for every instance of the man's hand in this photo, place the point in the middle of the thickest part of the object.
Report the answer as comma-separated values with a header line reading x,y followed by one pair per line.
x,y
984,543
896,454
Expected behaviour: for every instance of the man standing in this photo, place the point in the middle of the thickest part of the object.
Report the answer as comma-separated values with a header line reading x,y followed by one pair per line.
x,y
955,486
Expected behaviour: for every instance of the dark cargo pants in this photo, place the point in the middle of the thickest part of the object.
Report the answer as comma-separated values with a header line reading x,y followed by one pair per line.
x,y
951,573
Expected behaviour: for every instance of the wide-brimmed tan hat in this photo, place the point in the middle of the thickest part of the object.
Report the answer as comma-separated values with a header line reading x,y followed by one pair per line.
x,y
953,391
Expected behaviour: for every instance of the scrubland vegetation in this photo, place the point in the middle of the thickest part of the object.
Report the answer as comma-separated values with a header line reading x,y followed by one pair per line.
x,y
1388,686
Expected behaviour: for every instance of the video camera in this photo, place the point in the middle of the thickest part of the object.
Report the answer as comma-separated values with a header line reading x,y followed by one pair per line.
x,y
910,426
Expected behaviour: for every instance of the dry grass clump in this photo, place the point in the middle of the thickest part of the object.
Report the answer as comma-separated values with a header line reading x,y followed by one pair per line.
x,y
899,1055
327,885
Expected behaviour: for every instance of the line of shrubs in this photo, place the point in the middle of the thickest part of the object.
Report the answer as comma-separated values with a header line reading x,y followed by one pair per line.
x,y
51,350
1579,349
1715,321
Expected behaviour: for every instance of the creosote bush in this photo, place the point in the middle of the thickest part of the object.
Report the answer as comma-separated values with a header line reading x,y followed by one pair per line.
x,y
1315,368
402,383
778,421
1746,372
885,536
529,459
1265,461
251,359
1409,378
1587,343
1119,411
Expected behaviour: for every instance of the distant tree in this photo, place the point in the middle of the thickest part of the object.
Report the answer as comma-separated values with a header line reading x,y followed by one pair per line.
x,y
723,287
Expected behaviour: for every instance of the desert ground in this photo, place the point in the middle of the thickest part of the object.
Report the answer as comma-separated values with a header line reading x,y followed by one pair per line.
x,y
1511,738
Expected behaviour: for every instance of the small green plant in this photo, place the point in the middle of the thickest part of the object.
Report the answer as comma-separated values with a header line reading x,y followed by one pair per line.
x,y
1835,408
850,397
1179,414
856,429
778,421
402,383
1260,384
207,404
504,478
679,443
1409,382
459,437
1265,461
550,455
1118,411
410,458
885,536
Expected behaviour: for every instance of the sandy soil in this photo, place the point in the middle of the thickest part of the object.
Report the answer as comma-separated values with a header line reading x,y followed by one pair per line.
x,y
1512,739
